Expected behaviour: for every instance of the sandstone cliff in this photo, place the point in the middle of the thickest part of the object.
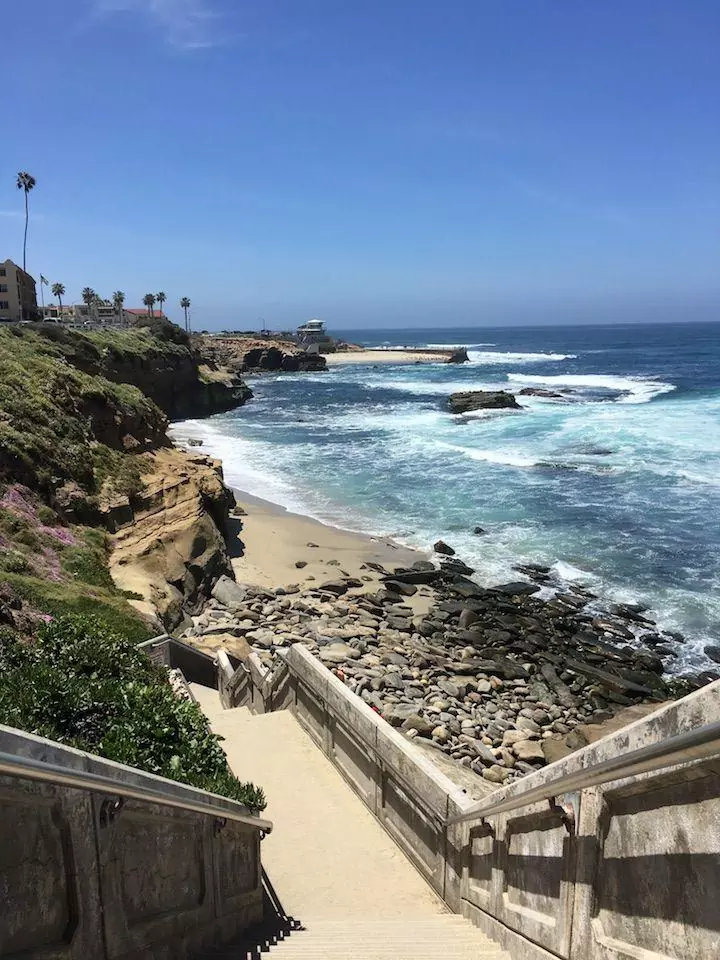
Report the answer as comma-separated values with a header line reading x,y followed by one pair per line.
x,y
168,542
83,419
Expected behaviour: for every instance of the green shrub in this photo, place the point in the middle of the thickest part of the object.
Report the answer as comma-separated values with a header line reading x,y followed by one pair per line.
x,y
47,515
76,598
86,686
18,528
87,564
120,473
12,561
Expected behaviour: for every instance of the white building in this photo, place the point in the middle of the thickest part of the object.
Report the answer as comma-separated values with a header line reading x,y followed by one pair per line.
x,y
101,313
314,338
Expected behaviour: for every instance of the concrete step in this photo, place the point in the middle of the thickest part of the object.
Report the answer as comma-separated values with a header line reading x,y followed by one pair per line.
x,y
449,937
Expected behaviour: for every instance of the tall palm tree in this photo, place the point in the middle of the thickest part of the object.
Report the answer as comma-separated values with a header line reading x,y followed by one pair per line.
x,y
58,290
88,297
25,181
118,299
149,301
185,304
161,298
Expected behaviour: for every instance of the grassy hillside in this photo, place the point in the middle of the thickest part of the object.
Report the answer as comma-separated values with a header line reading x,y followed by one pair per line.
x,y
78,414
59,423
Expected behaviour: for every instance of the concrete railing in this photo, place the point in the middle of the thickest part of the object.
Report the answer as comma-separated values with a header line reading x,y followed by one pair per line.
x,y
628,870
97,872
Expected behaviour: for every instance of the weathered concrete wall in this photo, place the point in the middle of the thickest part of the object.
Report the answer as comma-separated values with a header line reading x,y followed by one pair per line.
x,y
82,879
626,871
633,873
197,667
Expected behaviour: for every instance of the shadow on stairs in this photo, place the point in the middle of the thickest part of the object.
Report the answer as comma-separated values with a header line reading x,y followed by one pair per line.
x,y
253,943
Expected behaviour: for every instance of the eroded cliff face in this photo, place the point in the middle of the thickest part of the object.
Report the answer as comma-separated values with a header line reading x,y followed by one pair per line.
x,y
168,544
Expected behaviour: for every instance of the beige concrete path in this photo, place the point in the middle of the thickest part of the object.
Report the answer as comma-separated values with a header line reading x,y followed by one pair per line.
x,y
327,858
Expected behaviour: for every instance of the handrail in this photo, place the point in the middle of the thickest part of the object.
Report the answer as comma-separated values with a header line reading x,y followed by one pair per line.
x,y
695,745
30,769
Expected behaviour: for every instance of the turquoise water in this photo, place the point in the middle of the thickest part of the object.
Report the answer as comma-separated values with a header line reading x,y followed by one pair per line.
x,y
617,485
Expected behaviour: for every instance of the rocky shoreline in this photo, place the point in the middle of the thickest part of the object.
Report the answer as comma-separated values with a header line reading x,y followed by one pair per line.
x,y
496,680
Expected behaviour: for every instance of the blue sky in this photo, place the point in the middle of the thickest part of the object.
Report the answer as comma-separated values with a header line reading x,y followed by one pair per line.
x,y
384,162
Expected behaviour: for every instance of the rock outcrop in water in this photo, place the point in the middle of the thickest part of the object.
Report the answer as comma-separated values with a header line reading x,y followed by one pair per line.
x,y
541,392
458,356
482,400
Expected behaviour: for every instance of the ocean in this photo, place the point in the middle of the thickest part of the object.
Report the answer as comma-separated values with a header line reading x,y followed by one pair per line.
x,y
615,485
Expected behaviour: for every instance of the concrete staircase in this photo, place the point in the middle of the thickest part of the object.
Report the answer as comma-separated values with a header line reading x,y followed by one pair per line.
x,y
447,938
339,886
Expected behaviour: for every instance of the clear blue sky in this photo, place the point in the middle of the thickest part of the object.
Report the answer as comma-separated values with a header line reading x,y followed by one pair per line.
x,y
372,162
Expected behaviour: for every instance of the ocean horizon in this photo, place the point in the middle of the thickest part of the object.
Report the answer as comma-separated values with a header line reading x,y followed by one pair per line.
x,y
611,478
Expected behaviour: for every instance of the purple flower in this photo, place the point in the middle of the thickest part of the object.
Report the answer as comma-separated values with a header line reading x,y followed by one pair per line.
x,y
47,565
19,500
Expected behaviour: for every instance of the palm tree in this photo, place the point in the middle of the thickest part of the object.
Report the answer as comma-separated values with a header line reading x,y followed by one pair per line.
x,y
185,304
25,181
89,297
149,301
58,290
161,298
118,299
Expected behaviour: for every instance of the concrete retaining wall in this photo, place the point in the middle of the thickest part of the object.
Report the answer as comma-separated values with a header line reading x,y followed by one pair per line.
x,y
196,666
82,877
626,871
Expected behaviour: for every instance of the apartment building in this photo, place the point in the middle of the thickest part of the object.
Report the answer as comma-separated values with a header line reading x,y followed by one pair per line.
x,y
18,299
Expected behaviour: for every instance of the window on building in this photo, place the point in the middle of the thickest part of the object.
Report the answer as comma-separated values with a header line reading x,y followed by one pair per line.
x,y
3,272
4,304
3,288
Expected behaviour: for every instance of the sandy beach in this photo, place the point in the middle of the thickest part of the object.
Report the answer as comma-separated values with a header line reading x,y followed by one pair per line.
x,y
386,356
271,541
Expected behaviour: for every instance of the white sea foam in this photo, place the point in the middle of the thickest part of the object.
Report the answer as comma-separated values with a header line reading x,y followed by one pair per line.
x,y
505,457
497,358
566,571
632,389
455,346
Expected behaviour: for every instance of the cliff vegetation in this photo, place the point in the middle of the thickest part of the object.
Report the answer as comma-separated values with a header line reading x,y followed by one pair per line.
x,y
86,465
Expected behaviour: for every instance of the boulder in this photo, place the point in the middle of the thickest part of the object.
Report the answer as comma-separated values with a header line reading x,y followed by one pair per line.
x,y
441,547
519,588
482,400
398,713
528,750
458,356
229,593
496,774
454,566
397,586
540,392
467,618
713,652
338,587
421,576
416,722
